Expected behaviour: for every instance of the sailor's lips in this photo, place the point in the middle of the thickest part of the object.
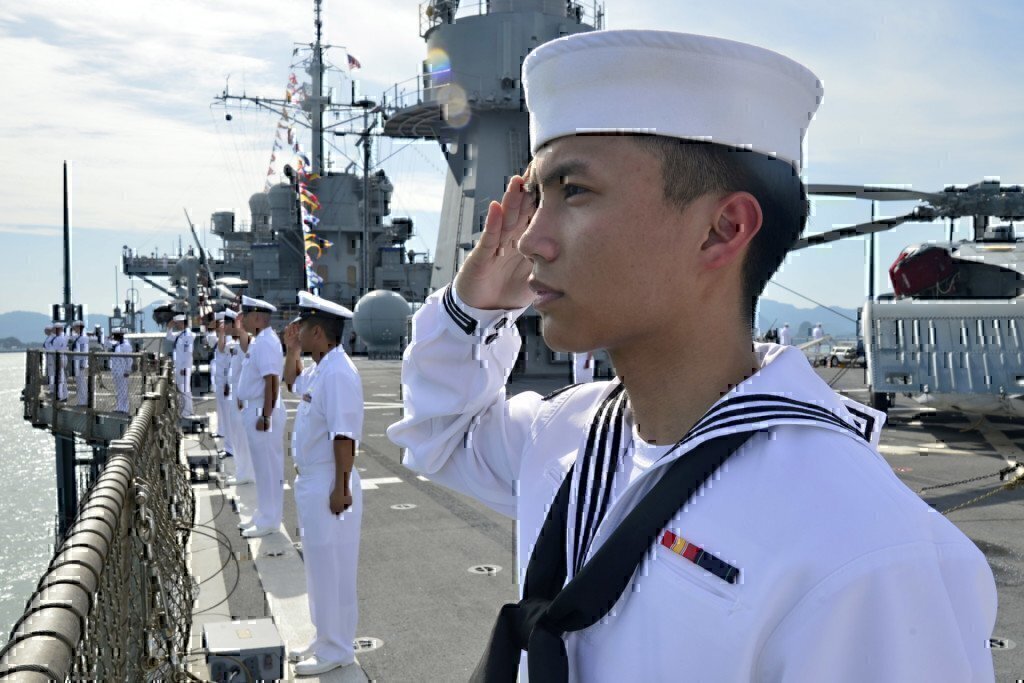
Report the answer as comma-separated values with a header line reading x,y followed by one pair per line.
x,y
545,293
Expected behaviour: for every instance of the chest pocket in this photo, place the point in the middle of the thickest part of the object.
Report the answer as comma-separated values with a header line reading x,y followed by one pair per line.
x,y
670,574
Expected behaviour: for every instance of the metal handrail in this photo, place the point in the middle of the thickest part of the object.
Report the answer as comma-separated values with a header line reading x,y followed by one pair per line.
x,y
115,602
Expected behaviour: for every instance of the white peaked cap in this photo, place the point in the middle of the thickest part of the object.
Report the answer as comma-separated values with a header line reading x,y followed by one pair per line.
x,y
229,314
312,305
117,330
257,304
671,84
181,317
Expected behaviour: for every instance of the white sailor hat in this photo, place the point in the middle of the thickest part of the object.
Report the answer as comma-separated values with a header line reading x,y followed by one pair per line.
x,y
311,306
671,84
229,314
77,323
180,318
117,330
250,305
58,323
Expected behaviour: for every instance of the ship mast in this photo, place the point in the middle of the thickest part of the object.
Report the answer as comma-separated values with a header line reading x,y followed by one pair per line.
x,y
316,110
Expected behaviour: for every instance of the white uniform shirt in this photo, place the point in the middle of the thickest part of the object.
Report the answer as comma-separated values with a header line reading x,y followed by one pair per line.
x,y
844,573
265,357
237,358
785,336
817,332
331,405
121,365
183,346
302,380
221,369
81,345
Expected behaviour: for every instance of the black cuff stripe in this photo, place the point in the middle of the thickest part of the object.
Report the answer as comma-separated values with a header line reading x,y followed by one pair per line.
x,y
465,323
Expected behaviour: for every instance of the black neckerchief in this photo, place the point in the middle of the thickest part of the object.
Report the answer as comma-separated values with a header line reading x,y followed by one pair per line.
x,y
551,607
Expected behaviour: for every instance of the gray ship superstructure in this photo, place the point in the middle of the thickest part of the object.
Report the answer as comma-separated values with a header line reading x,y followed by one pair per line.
x,y
318,229
469,98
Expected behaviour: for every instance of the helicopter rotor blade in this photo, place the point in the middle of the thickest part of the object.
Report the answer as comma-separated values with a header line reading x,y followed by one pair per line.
x,y
859,230
880,194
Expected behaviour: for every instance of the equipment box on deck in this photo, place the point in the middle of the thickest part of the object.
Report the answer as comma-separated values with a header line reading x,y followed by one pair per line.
x,y
245,650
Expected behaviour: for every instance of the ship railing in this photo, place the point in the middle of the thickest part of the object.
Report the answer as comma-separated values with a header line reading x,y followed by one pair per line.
x,y
88,395
439,88
433,13
115,602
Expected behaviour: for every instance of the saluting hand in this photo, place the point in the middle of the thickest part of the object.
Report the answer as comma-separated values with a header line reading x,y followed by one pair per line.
x,y
495,274
291,336
341,500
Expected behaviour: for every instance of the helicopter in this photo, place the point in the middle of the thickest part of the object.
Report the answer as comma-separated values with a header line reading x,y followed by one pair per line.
x,y
951,334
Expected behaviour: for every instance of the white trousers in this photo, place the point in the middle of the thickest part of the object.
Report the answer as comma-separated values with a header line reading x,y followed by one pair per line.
x,y
223,421
121,390
62,378
184,384
267,451
239,441
82,386
330,551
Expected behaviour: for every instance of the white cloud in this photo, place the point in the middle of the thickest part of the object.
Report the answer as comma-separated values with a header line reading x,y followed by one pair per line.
x,y
922,92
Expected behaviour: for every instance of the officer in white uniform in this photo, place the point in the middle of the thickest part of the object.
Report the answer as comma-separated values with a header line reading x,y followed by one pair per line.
x,y
220,370
59,346
818,332
785,336
182,346
48,364
79,344
804,558
328,497
233,345
121,369
263,416
583,367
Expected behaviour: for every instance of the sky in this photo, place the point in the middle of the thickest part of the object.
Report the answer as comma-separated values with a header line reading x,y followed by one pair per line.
x,y
921,94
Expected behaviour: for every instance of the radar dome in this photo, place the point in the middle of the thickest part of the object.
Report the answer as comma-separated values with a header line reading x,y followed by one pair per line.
x,y
381,320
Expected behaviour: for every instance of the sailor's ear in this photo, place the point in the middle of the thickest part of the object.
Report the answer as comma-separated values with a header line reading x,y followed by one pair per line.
x,y
735,219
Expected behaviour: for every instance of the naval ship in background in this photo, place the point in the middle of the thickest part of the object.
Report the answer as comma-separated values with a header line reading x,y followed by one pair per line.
x,y
332,232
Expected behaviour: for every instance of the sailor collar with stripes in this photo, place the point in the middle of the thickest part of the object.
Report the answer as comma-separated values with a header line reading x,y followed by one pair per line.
x,y
785,391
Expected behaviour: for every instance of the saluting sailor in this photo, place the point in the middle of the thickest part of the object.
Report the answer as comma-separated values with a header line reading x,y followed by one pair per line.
x,y
232,408
263,416
805,558
59,345
220,370
49,365
328,498
182,347
121,369
235,335
79,344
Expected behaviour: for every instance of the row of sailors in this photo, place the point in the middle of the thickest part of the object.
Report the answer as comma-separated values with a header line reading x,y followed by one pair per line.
x,y
247,374
59,366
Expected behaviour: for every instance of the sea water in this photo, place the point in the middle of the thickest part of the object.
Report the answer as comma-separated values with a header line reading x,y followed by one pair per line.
x,y
28,496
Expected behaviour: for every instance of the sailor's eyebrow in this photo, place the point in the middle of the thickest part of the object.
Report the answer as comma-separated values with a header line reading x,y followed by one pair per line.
x,y
559,171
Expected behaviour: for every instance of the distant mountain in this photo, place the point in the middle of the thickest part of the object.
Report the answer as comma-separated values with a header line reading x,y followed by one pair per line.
x,y
27,327
801,320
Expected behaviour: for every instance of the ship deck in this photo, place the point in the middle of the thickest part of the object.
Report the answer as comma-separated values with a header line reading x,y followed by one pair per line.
x,y
429,615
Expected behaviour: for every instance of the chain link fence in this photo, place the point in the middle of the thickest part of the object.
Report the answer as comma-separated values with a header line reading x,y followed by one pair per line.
x,y
115,603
